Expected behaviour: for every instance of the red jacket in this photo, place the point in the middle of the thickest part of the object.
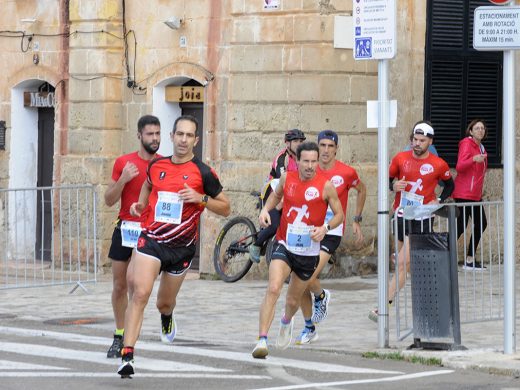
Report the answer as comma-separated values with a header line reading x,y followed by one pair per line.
x,y
470,174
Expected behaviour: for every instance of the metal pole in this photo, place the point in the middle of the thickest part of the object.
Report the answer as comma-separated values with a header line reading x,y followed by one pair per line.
x,y
382,214
508,127
452,245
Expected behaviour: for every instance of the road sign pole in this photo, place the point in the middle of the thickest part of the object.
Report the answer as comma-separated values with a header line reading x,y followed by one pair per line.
x,y
509,201
497,28
382,214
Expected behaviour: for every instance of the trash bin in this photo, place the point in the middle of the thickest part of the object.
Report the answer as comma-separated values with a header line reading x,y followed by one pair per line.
x,y
435,289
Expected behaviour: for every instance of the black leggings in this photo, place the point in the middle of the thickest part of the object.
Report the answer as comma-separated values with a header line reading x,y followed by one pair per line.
x,y
479,224
268,232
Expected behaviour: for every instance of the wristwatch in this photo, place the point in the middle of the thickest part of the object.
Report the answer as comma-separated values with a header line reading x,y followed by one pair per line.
x,y
358,218
327,227
204,200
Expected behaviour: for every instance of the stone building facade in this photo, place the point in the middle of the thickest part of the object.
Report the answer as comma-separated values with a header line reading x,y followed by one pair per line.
x,y
262,71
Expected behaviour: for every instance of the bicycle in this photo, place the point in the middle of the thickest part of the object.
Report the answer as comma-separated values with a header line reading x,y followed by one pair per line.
x,y
231,252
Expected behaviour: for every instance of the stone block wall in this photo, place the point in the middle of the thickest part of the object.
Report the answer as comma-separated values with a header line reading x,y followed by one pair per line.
x,y
264,72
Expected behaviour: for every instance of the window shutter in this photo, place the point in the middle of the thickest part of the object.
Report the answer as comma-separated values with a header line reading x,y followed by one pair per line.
x,y
448,17
461,83
484,97
446,105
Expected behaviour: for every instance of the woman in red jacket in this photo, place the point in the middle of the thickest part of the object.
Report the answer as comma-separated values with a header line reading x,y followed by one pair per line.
x,y
471,169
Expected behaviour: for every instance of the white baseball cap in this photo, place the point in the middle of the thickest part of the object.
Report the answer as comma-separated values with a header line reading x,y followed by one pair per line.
x,y
423,128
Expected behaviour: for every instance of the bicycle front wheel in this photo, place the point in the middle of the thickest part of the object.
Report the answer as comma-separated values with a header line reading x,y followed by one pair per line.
x,y
231,253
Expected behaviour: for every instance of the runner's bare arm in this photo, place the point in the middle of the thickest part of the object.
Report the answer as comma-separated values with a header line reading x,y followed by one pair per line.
x,y
137,208
361,197
331,197
115,188
360,204
275,198
219,205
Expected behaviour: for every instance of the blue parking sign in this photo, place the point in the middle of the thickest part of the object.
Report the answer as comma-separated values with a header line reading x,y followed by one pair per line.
x,y
358,31
363,48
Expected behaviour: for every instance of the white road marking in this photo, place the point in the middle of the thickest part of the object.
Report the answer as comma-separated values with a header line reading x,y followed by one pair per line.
x,y
11,365
360,381
227,355
100,358
139,374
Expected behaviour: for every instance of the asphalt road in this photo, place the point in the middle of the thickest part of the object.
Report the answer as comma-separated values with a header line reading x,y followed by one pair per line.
x,y
36,355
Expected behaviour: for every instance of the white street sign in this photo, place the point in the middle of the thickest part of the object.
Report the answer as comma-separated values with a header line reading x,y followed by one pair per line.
x,y
496,28
374,29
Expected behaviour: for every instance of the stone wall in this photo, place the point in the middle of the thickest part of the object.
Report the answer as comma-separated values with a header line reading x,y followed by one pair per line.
x,y
263,71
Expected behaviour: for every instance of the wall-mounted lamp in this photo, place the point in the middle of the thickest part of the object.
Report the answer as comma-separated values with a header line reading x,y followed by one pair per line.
x,y
2,135
174,23
28,20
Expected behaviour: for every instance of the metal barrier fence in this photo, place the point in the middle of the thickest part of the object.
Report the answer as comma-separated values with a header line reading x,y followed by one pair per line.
x,y
481,294
48,236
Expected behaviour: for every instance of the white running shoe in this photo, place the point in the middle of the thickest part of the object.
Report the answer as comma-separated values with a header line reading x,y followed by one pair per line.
x,y
321,308
306,336
168,331
260,351
284,334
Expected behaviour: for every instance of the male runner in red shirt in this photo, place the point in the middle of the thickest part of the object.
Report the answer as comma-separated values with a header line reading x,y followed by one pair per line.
x,y
285,161
417,172
343,177
177,190
306,196
128,175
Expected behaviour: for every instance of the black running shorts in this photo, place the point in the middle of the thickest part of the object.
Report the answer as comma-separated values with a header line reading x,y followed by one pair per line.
x,y
302,266
174,260
417,227
117,251
330,243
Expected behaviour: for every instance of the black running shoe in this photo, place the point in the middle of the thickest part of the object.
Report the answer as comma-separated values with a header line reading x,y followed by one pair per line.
x,y
126,369
115,349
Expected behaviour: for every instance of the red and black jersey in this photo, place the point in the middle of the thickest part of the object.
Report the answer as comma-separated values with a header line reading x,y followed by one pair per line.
x,y
164,175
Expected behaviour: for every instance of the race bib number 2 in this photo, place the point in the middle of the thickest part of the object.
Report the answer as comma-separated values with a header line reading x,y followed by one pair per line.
x,y
299,238
168,208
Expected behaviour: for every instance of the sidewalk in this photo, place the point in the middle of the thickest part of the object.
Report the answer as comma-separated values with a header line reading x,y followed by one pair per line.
x,y
218,312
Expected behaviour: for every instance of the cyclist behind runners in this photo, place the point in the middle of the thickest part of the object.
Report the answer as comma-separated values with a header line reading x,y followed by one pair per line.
x,y
285,161
178,189
306,196
343,177
128,175
418,172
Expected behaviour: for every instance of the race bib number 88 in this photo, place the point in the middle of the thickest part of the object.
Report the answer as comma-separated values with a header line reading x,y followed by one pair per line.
x,y
168,208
